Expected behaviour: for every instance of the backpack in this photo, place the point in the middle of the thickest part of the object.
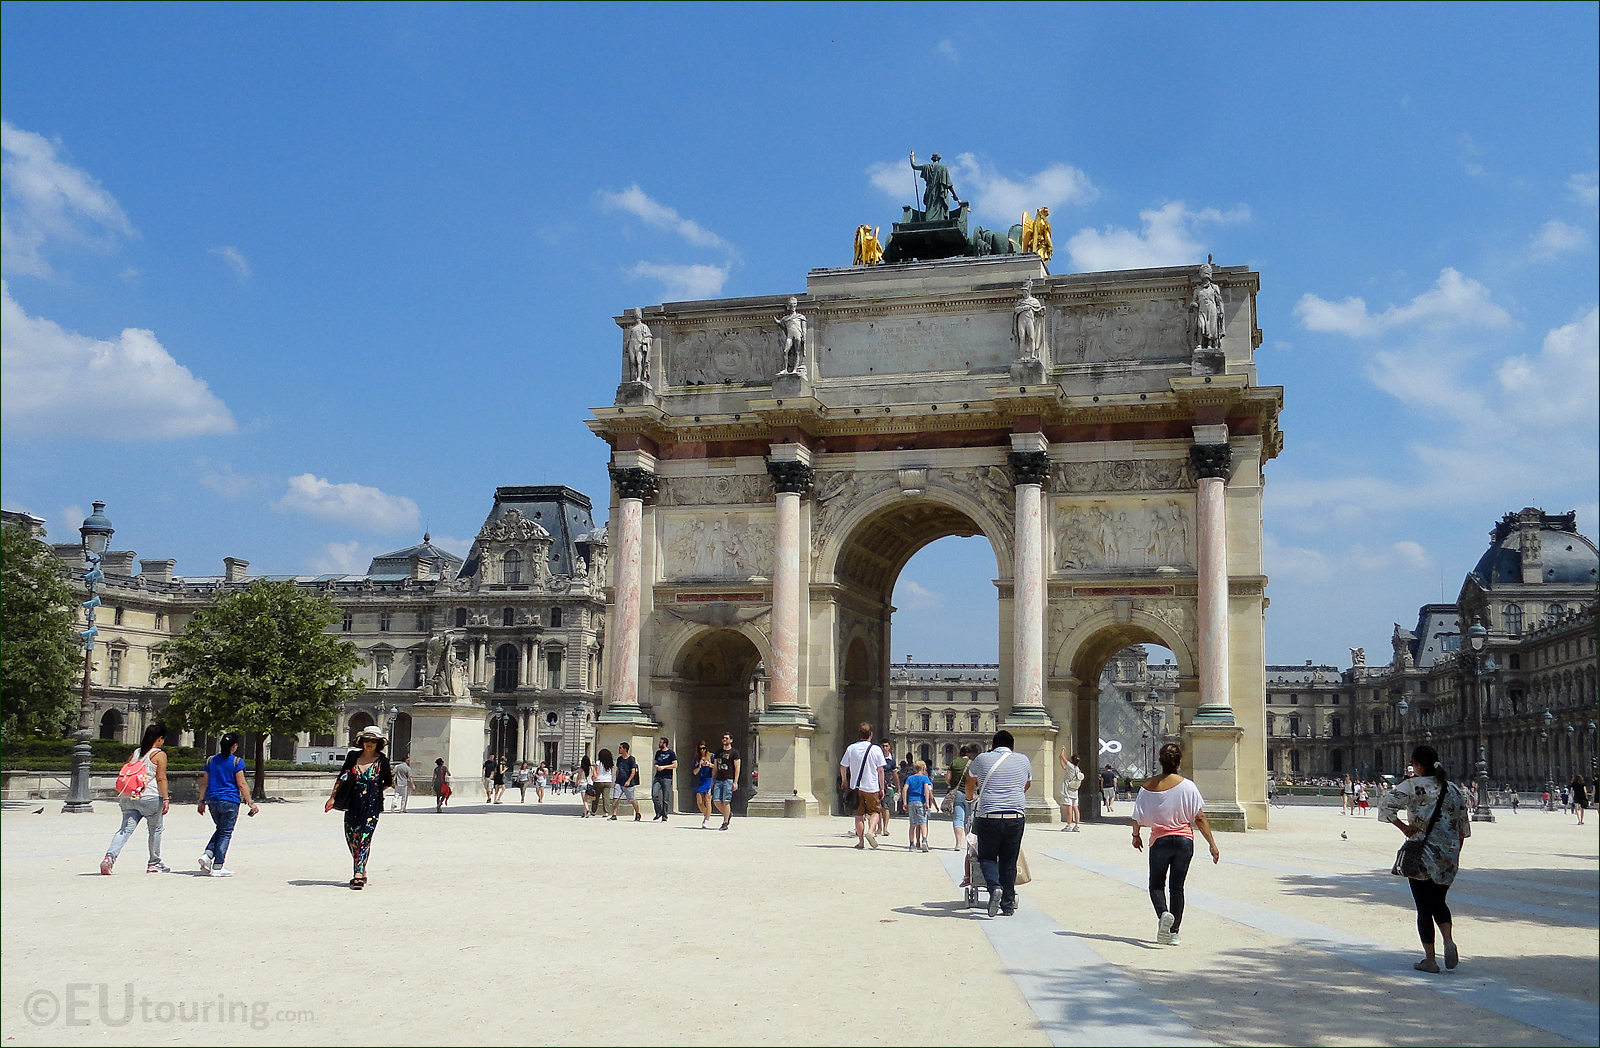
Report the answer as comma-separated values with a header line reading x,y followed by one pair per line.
x,y
133,777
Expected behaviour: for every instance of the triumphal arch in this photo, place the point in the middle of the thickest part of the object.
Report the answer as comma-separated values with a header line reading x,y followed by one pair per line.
x,y
777,460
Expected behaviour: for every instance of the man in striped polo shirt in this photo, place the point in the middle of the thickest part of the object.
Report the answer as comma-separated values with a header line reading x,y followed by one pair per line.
x,y
999,781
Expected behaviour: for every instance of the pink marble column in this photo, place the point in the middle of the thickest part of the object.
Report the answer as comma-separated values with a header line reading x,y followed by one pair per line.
x,y
1212,463
792,479
1029,471
634,485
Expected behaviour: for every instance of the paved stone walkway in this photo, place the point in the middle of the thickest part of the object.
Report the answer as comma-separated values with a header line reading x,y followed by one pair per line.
x,y
526,924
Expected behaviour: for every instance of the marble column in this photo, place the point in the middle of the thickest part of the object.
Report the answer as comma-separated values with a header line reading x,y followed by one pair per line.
x,y
1212,464
634,486
1029,469
792,479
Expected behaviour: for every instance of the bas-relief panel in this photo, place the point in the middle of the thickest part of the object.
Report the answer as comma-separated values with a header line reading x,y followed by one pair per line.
x,y
1101,332
1103,536
715,491
723,546
848,348
1176,474
712,356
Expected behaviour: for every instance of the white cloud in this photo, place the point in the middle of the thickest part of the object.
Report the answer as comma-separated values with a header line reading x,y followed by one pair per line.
x,y
637,203
1453,301
948,50
1585,189
57,382
683,283
47,199
451,544
996,197
1168,236
235,259
1557,238
353,504
1557,389
343,558
910,596
228,482
69,520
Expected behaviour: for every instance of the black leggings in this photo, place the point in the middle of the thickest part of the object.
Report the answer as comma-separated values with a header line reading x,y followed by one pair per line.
x,y
1170,853
1431,908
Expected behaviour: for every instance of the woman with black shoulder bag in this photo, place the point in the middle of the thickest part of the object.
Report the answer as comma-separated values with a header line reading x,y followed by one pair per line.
x,y
1432,813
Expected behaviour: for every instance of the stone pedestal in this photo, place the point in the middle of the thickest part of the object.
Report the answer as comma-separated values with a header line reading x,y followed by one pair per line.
x,y
1035,736
784,790
454,731
1027,373
635,394
1212,752
791,384
630,724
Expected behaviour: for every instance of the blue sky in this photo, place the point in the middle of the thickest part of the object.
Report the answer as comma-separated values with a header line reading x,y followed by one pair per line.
x,y
293,283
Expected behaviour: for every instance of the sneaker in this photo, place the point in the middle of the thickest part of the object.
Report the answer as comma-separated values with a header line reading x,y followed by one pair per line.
x,y
205,863
105,866
221,871
1164,931
1432,967
1451,957
157,867
1175,940
994,903
1008,911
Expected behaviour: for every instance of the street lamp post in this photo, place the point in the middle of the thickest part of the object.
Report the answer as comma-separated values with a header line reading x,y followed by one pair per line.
x,y
497,736
394,718
1549,763
1482,666
1403,709
95,534
1154,709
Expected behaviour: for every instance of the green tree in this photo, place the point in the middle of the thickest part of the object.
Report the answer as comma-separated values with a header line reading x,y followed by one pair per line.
x,y
259,661
40,660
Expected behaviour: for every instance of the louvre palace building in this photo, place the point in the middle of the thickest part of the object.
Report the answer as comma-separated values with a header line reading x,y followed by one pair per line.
x,y
498,652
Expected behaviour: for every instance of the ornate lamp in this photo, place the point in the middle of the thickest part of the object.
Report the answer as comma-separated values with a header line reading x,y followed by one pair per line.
x,y
95,535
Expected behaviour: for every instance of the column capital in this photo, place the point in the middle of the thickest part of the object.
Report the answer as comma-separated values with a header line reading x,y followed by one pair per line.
x,y
1028,467
1212,460
790,476
635,482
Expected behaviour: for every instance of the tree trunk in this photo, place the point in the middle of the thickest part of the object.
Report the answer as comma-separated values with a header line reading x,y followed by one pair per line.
x,y
259,789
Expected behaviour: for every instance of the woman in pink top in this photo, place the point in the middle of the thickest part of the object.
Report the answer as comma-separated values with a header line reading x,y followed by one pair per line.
x,y
1172,807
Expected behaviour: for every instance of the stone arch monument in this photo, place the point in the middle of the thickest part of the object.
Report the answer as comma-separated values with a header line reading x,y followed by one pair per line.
x,y
772,476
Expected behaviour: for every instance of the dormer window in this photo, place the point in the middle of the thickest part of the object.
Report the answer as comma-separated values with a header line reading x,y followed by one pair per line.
x,y
511,569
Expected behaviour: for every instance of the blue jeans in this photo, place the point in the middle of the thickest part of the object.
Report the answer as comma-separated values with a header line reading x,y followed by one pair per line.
x,y
1169,865
722,791
999,844
224,814
146,808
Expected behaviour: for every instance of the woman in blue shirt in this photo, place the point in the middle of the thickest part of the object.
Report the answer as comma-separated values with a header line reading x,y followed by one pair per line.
x,y
702,783
224,787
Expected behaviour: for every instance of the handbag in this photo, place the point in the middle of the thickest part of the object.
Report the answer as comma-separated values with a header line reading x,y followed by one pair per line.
x,y
344,791
1408,861
852,796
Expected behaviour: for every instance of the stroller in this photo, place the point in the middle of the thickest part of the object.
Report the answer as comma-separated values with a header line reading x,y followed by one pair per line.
x,y
976,887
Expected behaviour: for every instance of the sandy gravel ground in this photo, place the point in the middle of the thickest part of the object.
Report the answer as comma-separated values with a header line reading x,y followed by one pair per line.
x,y
525,924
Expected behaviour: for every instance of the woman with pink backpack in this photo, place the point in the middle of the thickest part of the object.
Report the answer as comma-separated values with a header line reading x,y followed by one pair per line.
x,y
142,792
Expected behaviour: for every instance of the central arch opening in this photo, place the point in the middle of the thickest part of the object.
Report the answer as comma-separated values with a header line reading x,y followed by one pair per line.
x,y
916,580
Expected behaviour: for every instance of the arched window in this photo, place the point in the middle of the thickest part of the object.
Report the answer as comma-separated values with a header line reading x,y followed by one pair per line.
x,y
1555,611
1513,617
508,616
111,725
511,568
555,616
